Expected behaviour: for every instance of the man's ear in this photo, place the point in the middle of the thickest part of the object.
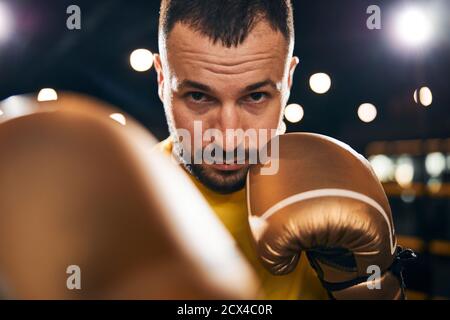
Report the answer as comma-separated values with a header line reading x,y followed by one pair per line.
x,y
292,66
160,76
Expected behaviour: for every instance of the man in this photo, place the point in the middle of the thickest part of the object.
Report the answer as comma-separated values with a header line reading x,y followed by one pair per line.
x,y
228,64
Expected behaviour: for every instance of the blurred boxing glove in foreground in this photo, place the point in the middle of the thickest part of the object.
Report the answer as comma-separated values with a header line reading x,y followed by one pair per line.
x,y
80,189
326,200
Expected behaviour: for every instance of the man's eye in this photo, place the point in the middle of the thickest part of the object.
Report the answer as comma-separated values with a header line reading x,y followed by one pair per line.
x,y
197,96
256,97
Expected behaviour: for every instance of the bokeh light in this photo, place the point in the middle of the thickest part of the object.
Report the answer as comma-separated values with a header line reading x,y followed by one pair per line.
x,y
408,196
404,171
320,82
293,113
6,22
118,117
47,94
383,166
434,185
367,112
435,163
141,60
423,96
413,26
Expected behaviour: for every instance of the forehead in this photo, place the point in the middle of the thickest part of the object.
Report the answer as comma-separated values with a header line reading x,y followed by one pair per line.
x,y
192,54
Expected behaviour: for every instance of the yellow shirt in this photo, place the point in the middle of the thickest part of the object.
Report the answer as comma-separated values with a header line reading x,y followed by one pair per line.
x,y
231,209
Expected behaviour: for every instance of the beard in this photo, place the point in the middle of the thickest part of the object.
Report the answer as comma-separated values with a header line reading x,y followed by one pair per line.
x,y
217,180
220,181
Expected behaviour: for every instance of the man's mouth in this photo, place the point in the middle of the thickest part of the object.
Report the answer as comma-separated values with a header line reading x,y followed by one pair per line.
x,y
228,167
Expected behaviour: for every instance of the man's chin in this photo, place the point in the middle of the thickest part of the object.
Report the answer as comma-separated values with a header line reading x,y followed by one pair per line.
x,y
221,178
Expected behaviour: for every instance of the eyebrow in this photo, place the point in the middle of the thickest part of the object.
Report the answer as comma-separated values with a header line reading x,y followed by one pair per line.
x,y
194,84
260,84
203,87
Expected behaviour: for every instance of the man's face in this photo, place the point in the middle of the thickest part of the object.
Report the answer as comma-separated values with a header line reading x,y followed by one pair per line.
x,y
239,88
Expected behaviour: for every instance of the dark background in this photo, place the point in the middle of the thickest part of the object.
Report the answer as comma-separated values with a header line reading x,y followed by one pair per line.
x,y
331,37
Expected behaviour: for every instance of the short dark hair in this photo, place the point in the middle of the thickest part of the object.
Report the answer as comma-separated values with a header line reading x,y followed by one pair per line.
x,y
228,21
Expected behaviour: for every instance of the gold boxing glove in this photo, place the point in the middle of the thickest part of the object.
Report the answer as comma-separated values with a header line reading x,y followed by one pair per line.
x,y
326,200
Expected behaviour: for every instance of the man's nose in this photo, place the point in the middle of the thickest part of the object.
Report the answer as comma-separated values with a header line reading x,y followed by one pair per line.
x,y
230,124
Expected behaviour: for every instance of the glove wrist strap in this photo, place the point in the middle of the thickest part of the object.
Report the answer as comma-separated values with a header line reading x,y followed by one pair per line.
x,y
401,257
